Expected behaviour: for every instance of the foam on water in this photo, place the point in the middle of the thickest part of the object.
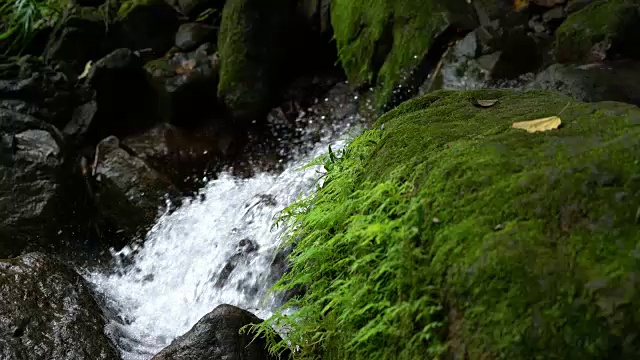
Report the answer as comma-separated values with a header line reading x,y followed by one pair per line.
x,y
179,274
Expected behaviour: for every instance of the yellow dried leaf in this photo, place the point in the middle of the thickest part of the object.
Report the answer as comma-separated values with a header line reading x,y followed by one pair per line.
x,y
520,4
543,124
87,67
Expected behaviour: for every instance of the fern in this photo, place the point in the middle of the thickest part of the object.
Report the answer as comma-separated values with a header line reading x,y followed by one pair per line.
x,y
23,18
357,258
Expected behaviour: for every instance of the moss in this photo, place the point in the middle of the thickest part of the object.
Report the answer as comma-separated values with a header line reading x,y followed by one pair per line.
x,y
380,42
527,241
614,22
254,37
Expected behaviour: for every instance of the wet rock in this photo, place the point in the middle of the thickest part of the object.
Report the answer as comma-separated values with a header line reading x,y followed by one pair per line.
x,y
612,81
244,248
30,160
181,155
129,192
192,35
48,312
316,14
601,30
216,336
554,14
186,85
253,41
148,25
124,100
44,91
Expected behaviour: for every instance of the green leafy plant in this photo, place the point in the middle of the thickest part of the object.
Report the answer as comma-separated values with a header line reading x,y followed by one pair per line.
x,y
358,260
21,19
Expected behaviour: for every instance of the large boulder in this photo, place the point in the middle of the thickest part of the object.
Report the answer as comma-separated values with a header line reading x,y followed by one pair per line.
x,y
124,101
80,38
192,35
48,312
469,238
129,193
30,165
185,84
254,41
146,25
602,30
217,337
612,81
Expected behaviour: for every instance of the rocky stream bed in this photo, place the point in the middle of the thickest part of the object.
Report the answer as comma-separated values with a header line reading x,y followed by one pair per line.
x,y
147,148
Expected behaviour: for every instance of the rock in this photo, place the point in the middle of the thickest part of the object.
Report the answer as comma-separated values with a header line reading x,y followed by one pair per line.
x,y
216,336
555,14
192,35
186,85
124,101
253,41
48,312
30,161
243,250
148,25
520,54
129,193
316,14
80,38
602,30
45,92
612,81
514,223
183,156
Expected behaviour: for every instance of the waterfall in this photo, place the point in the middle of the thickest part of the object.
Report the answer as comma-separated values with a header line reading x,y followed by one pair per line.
x,y
219,248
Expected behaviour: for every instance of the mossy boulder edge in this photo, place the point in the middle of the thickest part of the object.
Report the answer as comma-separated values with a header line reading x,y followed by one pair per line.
x,y
443,229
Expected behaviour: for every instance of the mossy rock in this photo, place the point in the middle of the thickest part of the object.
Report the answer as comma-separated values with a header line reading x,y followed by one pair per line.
x,y
443,225
609,26
146,24
381,42
253,40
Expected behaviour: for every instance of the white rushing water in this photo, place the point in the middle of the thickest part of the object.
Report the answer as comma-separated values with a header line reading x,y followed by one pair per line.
x,y
179,274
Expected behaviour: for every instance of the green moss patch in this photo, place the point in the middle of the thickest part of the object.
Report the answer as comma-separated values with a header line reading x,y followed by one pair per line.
x,y
445,230
610,25
380,42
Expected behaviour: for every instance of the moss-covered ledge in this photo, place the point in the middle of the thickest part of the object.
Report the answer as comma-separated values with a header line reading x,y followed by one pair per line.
x,y
445,230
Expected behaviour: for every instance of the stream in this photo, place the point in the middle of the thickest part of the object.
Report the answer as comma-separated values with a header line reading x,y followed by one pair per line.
x,y
219,248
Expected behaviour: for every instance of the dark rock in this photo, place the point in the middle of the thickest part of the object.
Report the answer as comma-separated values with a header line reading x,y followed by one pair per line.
x,y
316,15
129,192
182,156
48,312
520,53
601,30
555,14
30,161
124,101
186,85
243,250
613,81
253,41
148,25
46,92
192,35
216,336
76,44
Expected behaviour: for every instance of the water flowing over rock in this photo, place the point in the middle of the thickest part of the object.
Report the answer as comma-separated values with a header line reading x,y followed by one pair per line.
x,y
216,336
48,312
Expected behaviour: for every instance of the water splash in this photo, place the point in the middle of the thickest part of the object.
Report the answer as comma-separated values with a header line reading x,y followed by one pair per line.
x,y
220,247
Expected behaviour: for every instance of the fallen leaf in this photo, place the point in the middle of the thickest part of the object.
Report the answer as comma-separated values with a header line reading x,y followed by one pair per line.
x,y
543,124
520,4
87,67
486,103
